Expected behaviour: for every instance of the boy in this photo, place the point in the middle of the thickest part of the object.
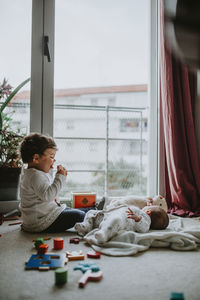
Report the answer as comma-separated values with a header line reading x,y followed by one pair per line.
x,y
38,190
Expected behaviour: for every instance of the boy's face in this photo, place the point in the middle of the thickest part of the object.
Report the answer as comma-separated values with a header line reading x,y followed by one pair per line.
x,y
45,161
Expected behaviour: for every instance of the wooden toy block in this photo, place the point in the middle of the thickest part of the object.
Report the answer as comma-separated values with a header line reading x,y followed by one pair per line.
x,y
90,276
75,255
177,296
44,238
16,223
43,249
61,275
93,254
44,262
12,215
38,242
83,267
74,240
83,199
58,243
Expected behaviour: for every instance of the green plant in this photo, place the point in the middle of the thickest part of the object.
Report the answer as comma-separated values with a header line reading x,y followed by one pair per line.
x,y
9,140
6,95
8,148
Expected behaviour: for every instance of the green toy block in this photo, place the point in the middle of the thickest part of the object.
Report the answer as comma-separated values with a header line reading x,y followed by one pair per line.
x,y
38,242
60,276
176,296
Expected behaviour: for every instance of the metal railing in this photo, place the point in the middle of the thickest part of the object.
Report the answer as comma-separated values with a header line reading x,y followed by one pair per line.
x,y
107,109
21,117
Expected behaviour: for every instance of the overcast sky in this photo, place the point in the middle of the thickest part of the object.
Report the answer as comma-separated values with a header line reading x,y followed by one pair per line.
x,y
98,42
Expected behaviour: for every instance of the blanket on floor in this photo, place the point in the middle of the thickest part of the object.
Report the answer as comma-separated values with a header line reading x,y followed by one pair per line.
x,y
181,234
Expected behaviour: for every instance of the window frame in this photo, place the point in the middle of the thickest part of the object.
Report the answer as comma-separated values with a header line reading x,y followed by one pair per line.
x,y
42,84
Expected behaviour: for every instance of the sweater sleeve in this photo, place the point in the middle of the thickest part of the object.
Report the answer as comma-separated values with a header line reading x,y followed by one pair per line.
x,y
43,187
144,224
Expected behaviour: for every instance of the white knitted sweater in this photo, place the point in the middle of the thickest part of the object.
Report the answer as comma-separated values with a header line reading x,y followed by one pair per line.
x,y
38,191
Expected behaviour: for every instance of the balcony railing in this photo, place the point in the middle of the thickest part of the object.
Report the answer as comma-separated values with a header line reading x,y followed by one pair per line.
x,y
104,148
105,121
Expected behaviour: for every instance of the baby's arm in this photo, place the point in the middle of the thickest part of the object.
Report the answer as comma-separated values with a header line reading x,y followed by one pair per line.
x,y
142,220
132,215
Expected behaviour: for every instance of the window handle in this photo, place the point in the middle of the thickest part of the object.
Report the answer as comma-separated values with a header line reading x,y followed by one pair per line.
x,y
46,48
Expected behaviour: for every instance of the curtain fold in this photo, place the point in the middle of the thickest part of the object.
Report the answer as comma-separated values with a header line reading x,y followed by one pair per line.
x,y
182,173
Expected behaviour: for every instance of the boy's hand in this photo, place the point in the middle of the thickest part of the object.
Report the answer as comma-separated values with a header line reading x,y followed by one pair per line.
x,y
61,170
132,215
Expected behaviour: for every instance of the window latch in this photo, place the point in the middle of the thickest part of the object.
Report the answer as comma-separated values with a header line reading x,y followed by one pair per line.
x,y
46,48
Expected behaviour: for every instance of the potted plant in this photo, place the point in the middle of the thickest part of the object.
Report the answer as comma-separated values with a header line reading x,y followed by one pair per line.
x,y
10,163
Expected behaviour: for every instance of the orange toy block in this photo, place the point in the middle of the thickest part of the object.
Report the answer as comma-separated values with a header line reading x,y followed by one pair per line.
x,y
75,255
43,249
83,199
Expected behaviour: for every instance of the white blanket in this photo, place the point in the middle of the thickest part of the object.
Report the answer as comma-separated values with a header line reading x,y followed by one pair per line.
x,y
181,234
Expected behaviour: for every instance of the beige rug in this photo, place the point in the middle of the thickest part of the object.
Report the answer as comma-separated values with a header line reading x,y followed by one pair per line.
x,y
152,274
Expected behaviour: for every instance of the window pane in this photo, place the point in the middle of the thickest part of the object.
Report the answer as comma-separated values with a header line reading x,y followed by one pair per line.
x,y
100,98
15,58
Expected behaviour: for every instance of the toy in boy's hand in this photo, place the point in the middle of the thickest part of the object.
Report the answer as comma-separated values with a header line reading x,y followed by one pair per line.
x,y
61,170
140,202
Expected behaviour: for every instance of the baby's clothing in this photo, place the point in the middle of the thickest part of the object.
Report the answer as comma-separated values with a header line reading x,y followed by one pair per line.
x,y
38,191
109,222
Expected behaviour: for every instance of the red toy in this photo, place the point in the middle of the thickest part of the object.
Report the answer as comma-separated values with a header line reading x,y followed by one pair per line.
x,y
58,243
83,199
74,240
93,254
16,223
90,276
43,249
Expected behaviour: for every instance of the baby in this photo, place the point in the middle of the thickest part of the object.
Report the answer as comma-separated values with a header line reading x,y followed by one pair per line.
x,y
110,222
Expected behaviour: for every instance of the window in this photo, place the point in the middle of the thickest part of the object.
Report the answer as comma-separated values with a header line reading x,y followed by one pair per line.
x,y
103,98
15,58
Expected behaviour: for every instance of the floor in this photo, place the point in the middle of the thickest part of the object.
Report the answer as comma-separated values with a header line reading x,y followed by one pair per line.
x,y
153,274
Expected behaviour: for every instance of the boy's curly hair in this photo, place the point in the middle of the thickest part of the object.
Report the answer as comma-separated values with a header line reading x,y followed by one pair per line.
x,y
35,143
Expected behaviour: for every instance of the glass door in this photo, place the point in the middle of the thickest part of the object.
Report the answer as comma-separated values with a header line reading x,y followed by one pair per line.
x,y
101,121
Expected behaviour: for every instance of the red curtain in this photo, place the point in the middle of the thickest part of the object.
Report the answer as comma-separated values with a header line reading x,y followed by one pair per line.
x,y
178,90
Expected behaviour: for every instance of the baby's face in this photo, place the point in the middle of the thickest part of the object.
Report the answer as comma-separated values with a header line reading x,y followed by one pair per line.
x,y
146,209
149,209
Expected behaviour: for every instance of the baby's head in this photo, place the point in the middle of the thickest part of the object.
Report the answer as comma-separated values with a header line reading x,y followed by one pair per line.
x,y
37,149
159,217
